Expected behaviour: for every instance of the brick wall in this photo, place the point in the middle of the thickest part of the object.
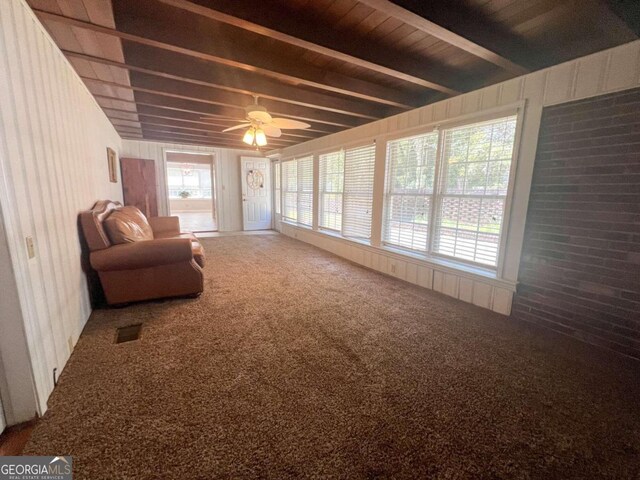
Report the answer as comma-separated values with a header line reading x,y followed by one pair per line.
x,y
580,268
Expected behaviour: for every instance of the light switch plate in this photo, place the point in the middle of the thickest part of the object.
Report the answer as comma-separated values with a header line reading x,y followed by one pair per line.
x,y
31,249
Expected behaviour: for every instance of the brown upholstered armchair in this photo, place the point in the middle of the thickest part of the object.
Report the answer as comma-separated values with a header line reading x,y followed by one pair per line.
x,y
139,259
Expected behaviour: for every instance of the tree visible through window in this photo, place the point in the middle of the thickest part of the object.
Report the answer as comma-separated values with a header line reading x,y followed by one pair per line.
x,y
476,166
464,213
331,188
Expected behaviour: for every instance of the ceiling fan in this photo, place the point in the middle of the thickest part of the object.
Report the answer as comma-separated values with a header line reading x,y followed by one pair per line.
x,y
260,125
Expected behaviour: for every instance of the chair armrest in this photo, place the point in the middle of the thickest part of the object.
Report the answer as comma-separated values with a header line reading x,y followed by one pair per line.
x,y
167,225
149,253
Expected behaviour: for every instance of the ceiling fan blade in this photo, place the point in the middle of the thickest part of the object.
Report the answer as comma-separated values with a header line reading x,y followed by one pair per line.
x,y
287,123
271,131
263,117
236,127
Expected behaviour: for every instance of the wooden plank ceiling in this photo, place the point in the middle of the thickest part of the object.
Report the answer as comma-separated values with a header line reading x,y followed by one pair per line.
x,y
157,67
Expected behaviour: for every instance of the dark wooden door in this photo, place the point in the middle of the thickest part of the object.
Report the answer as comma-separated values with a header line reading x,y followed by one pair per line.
x,y
139,184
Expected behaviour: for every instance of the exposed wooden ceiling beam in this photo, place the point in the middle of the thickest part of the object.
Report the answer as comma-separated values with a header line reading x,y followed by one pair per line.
x,y
168,135
228,108
166,128
287,72
314,46
209,133
264,88
170,131
189,137
182,141
271,141
162,105
444,34
112,114
186,125
180,109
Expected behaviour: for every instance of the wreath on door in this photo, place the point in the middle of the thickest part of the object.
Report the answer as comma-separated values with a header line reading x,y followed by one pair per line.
x,y
255,179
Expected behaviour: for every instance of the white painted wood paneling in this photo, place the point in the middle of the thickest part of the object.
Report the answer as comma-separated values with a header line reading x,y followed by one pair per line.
x,y
53,164
604,72
227,165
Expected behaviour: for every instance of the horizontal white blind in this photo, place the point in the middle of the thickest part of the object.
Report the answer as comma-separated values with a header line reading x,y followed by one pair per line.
x,y
359,166
290,190
305,191
277,188
411,164
475,178
331,187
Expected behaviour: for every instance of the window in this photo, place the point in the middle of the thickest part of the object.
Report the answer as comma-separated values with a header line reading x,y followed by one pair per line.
x,y
276,187
297,190
331,187
464,212
359,164
305,191
290,190
475,178
189,181
411,164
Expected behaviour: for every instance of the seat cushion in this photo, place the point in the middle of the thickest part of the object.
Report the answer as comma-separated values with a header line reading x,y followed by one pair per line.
x,y
127,225
196,247
198,252
173,235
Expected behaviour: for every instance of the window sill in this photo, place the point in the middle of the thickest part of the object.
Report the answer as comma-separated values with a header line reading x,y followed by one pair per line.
x,y
297,225
440,264
335,234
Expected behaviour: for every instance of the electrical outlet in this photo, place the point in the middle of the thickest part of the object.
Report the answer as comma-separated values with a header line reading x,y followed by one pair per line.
x,y
70,344
393,268
31,249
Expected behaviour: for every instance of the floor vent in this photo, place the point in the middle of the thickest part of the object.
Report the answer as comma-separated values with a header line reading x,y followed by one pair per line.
x,y
128,333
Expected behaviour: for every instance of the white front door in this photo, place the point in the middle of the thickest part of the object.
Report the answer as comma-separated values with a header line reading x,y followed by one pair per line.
x,y
256,193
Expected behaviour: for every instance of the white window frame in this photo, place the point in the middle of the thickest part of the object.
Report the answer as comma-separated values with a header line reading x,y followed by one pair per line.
x,y
301,191
430,254
322,192
298,191
285,190
277,187
452,263
387,193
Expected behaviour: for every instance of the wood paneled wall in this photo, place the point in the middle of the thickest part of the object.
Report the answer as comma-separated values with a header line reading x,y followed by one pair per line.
x,y
604,72
53,164
227,165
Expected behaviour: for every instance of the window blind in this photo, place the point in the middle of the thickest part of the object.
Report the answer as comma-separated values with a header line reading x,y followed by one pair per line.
x,y
290,190
305,191
277,188
359,166
411,164
476,162
331,187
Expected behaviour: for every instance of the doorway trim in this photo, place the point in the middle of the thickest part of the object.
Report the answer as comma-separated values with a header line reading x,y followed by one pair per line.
x,y
214,178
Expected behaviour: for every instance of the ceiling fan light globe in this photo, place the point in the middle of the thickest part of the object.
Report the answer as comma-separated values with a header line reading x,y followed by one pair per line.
x,y
248,137
261,138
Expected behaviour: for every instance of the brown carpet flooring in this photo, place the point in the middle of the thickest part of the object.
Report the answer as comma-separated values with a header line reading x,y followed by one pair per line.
x,y
297,364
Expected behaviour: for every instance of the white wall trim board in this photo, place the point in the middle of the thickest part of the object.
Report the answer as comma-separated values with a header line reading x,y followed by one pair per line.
x,y
53,140
604,72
